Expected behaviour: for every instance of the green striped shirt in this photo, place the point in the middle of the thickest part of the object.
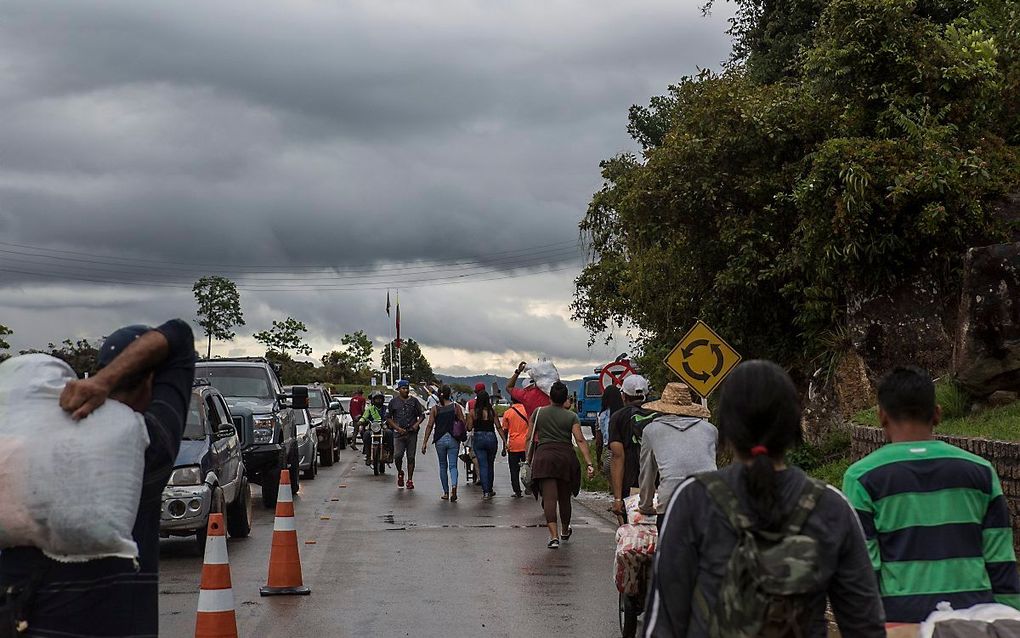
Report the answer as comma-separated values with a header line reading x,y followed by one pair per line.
x,y
937,528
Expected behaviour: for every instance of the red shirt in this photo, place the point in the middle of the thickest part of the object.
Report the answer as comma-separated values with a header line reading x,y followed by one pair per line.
x,y
532,397
357,407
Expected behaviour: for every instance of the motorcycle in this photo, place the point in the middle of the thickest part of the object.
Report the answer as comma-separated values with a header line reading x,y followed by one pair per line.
x,y
377,456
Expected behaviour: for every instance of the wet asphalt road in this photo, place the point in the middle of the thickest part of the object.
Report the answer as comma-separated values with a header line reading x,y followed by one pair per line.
x,y
390,562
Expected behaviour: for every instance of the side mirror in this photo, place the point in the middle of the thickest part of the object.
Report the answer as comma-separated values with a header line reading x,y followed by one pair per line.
x,y
225,431
298,397
334,405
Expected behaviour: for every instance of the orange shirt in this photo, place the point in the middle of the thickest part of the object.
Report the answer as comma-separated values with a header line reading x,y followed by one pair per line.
x,y
517,427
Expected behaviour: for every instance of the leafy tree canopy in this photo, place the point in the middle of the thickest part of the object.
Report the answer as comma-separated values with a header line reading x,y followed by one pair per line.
x,y
772,201
4,345
219,308
285,336
82,354
413,364
352,363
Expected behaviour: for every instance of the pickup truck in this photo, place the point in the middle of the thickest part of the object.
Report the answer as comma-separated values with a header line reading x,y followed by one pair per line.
x,y
263,415
209,475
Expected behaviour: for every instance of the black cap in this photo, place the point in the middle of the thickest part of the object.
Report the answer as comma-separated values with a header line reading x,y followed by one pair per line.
x,y
120,339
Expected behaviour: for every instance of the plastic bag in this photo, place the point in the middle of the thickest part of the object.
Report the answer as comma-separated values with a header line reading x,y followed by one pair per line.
x,y
978,620
69,488
634,514
635,548
544,374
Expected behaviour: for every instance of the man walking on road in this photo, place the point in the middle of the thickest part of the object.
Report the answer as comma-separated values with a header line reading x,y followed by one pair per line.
x,y
625,442
531,397
935,520
150,371
357,410
405,417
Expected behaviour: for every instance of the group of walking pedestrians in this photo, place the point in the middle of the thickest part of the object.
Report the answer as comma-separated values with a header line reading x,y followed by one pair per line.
x,y
917,523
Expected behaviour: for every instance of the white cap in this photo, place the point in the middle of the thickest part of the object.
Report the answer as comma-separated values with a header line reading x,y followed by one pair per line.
x,y
635,386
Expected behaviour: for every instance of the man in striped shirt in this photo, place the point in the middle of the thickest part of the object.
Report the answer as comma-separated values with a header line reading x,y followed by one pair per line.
x,y
935,519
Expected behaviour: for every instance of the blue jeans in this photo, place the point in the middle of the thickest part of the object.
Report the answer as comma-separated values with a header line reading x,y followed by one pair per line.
x,y
446,449
486,448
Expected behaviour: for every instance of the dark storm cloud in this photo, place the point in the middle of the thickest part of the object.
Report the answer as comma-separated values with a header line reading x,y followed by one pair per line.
x,y
334,135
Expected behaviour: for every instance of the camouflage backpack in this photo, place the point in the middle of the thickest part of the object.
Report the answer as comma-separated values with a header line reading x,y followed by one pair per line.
x,y
770,576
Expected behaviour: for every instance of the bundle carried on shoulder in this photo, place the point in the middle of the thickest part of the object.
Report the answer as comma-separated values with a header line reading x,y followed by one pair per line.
x,y
70,488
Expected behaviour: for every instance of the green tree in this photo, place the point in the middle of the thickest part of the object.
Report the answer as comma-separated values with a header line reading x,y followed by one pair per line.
x,y
413,364
4,345
81,354
357,348
219,308
767,207
285,336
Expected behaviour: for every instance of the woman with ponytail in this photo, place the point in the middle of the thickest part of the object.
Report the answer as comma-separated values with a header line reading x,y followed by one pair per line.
x,y
759,419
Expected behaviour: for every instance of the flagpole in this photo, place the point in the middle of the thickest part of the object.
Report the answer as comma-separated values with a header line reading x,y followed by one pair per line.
x,y
400,349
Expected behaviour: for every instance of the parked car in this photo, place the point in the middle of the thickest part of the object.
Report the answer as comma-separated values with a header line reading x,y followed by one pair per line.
x,y
209,473
263,416
325,414
307,444
346,421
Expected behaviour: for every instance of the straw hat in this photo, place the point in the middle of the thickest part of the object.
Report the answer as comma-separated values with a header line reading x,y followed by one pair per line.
x,y
676,399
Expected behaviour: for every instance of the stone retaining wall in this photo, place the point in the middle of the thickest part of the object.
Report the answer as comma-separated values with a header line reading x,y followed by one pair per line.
x,y
1004,455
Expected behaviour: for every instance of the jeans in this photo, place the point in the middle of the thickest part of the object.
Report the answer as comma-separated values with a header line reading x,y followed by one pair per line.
x,y
446,450
486,448
516,458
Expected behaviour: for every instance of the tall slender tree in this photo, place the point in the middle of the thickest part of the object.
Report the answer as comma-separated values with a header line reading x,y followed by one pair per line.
x,y
219,308
285,335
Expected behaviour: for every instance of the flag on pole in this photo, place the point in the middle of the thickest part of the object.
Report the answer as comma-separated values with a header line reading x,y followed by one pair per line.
x,y
387,303
398,321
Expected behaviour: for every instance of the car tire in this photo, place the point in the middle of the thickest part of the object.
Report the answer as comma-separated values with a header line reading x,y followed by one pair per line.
x,y
270,489
240,513
216,505
326,457
309,474
295,477
342,444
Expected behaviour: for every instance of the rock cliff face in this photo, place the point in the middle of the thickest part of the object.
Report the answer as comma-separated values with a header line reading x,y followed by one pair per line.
x,y
904,326
986,357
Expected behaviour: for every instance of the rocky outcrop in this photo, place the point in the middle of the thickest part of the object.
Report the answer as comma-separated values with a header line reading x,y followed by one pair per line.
x,y
903,326
986,357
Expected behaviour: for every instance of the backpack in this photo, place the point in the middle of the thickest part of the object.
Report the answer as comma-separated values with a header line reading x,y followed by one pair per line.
x,y
770,577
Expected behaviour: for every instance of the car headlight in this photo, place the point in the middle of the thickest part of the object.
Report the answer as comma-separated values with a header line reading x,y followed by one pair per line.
x,y
264,428
184,476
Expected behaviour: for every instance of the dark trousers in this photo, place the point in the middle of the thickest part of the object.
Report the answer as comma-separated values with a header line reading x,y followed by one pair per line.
x,y
516,458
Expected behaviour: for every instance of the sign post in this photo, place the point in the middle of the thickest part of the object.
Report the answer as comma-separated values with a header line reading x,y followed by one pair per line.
x,y
702,359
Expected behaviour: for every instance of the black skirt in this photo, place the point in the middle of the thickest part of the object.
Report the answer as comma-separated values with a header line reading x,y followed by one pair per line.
x,y
556,461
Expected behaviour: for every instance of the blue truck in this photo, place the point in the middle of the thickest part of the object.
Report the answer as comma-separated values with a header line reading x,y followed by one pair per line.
x,y
590,399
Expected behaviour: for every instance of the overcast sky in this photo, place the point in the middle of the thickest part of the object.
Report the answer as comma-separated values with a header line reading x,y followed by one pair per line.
x,y
318,153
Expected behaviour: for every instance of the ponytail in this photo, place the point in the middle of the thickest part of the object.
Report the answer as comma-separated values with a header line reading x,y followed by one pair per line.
x,y
759,416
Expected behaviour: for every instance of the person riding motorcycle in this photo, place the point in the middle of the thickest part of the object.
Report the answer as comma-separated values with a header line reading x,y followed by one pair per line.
x,y
375,413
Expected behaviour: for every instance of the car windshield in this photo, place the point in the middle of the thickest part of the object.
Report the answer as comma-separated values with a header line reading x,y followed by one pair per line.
x,y
193,430
346,402
591,388
315,399
246,382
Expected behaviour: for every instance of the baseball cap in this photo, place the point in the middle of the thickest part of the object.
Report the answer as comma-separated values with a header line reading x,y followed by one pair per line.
x,y
403,383
635,386
118,341
479,387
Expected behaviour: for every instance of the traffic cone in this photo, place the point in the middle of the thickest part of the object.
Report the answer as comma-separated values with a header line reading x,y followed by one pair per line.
x,y
216,617
284,560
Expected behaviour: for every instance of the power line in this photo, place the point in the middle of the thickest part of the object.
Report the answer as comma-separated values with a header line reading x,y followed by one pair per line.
x,y
403,284
26,260
241,269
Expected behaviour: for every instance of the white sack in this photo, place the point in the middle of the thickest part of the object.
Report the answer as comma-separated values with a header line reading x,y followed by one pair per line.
x,y
989,612
545,374
69,488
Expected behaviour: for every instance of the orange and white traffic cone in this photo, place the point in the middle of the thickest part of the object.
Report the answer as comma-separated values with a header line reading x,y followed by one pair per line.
x,y
216,617
284,560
